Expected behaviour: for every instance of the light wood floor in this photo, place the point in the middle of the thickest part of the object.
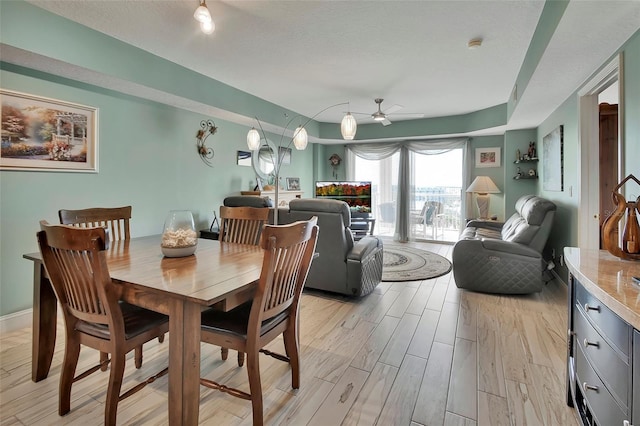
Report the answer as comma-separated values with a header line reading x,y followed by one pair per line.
x,y
412,353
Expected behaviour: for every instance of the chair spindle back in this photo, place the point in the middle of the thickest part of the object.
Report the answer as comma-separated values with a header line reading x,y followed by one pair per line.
x,y
77,268
242,225
289,250
116,219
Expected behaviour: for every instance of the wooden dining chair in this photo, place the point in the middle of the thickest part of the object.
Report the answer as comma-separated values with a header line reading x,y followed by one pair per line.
x,y
288,251
94,316
242,225
116,219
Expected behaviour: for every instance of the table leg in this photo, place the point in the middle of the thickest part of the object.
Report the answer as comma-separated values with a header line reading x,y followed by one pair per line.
x,y
184,363
45,311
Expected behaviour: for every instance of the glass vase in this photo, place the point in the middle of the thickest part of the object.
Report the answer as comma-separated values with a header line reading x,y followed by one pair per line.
x,y
179,237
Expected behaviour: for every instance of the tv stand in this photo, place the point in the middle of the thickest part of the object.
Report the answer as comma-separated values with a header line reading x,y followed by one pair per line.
x,y
362,224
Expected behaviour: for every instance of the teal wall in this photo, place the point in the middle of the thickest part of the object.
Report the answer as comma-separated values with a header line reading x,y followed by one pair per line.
x,y
147,159
147,150
565,229
515,140
496,201
632,109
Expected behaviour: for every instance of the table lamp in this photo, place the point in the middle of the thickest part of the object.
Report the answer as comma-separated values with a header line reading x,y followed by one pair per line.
x,y
482,186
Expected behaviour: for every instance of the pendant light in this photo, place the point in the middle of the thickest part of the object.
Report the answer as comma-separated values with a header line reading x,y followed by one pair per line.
x,y
300,138
253,139
348,127
203,16
207,27
202,13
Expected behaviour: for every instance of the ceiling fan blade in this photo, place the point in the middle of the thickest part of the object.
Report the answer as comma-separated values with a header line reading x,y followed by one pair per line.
x,y
409,114
361,113
385,122
393,108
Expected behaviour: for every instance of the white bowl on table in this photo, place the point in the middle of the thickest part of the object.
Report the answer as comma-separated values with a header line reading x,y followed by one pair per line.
x,y
179,251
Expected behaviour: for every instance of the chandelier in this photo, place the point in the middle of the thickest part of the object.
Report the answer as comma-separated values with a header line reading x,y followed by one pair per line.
x,y
299,140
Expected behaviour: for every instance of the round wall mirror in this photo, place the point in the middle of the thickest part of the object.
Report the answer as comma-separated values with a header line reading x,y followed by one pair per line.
x,y
263,160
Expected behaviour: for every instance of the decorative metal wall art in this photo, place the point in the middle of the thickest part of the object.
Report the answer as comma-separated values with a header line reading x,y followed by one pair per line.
x,y
207,128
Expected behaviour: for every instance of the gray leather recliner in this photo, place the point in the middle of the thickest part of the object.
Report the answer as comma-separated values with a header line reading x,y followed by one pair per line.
x,y
506,258
343,266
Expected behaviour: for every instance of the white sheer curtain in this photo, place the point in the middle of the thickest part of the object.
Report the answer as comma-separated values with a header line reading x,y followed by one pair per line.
x,y
380,151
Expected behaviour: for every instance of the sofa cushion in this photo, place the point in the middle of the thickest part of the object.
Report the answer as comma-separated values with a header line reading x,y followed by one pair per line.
x,y
534,209
247,201
523,226
471,232
322,205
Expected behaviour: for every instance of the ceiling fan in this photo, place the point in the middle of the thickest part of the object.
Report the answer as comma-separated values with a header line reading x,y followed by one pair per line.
x,y
382,116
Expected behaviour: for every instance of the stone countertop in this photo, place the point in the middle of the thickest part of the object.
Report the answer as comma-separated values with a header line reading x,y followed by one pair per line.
x,y
609,279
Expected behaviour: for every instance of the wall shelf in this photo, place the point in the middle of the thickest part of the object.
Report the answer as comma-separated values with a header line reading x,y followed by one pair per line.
x,y
529,164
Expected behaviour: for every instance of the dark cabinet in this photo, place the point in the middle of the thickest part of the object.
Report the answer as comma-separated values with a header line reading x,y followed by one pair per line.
x,y
601,364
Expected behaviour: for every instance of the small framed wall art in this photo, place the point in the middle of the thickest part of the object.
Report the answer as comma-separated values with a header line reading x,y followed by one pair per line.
x,y
553,164
43,134
487,157
293,184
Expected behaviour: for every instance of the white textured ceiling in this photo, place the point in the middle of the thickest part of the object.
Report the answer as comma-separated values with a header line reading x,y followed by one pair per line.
x,y
306,55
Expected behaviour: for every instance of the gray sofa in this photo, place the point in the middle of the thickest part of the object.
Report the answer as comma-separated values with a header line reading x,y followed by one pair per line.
x,y
506,258
343,266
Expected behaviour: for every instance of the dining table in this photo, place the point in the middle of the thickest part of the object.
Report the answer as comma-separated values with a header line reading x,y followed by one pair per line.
x,y
219,274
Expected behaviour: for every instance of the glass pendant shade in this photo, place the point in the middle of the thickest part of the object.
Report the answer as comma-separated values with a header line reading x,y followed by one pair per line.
x,y
253,139
348,127
300,138
207,27
202,13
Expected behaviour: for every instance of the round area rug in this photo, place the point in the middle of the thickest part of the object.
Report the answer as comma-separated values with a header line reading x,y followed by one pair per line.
x,y
402,263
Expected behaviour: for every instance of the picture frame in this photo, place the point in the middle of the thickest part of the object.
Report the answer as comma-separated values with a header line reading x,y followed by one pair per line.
x,y
293,184
259,185
553,160
243,158
487,157
284,154
43,134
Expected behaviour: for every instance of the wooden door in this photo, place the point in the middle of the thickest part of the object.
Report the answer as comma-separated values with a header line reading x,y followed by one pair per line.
x,y
608,160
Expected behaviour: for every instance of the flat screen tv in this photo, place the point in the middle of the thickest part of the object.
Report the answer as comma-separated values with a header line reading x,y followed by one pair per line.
x,y
355,193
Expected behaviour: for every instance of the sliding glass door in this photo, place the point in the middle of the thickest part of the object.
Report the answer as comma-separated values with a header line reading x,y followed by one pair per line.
x,y
383,175
435,194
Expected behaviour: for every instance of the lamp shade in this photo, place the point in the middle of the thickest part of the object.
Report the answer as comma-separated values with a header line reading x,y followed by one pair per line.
x,y
483,185
300,138
253,139
348,127
202,13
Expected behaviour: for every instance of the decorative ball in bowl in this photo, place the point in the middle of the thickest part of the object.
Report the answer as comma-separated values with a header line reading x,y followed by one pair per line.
x,y
179,238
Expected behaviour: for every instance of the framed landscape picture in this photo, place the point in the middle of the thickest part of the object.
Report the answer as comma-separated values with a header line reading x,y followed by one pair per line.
x,y
44,134
487,157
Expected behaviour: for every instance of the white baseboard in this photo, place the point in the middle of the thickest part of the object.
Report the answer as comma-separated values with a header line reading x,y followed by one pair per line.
x,y
16,321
